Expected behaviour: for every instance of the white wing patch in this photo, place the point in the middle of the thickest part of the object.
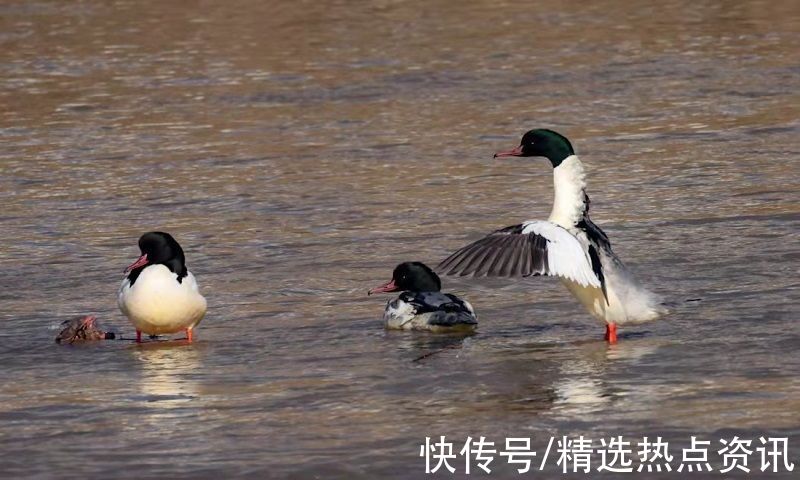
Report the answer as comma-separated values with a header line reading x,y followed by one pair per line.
x,y
566,256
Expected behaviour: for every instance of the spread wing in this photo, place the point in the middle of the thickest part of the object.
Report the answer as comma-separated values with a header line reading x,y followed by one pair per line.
x,y
532,248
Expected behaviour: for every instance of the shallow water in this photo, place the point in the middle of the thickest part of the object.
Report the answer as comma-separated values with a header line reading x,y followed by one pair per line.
x,y
299,151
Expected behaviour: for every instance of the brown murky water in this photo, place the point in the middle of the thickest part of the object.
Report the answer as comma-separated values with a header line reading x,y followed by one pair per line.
x,y
300,150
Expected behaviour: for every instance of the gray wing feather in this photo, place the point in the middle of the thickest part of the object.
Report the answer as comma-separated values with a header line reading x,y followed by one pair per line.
x,y
504,253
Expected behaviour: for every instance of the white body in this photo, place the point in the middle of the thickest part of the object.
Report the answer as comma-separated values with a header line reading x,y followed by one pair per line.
x,y
638,306
157,304
628,301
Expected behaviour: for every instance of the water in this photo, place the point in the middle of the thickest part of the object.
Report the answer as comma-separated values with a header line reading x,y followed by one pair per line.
x,y
300,151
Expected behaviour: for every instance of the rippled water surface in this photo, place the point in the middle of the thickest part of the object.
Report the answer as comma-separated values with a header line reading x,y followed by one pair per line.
x,y
299,150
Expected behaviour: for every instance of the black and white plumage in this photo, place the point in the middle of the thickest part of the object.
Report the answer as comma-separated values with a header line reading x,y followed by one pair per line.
x,y
421,305
567,245
159,295
531,248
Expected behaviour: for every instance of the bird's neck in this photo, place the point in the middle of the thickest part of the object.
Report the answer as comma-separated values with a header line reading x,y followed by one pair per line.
x,y
569,183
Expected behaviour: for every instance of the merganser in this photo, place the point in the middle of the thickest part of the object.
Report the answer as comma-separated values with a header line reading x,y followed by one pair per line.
x,y
422,305
568,245
80,329
159,295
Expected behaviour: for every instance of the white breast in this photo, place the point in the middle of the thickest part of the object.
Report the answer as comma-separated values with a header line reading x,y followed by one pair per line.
x,y
157,304
400,315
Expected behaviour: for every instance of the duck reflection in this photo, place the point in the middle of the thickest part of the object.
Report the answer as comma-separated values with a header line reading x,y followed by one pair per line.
x,y
425,345
168,382
570,379
583,384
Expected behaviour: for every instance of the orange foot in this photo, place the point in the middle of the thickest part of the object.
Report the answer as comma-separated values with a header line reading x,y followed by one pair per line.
x,y
189,336
611,333
138,336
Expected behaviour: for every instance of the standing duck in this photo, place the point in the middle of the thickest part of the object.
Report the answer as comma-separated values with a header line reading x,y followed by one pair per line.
x,y
567,245
159,295
422,305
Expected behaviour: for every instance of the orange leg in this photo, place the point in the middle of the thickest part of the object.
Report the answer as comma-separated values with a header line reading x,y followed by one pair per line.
x,y
189,335
611,333
138,336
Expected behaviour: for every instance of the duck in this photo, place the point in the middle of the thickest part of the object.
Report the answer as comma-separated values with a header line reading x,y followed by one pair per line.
x,y
159,295
83,328
568,245
421,305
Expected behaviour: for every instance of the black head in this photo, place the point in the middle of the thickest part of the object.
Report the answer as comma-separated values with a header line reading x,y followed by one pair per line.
x,y
542,143
411,277
158,248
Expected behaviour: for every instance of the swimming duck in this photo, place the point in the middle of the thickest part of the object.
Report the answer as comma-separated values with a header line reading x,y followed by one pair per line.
x,y
567,245
159,295
81,329
422,305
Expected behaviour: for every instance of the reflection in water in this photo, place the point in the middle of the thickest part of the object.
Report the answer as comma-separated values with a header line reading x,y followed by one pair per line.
x,y
579,395
583,384
426,345
632,351
168,373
